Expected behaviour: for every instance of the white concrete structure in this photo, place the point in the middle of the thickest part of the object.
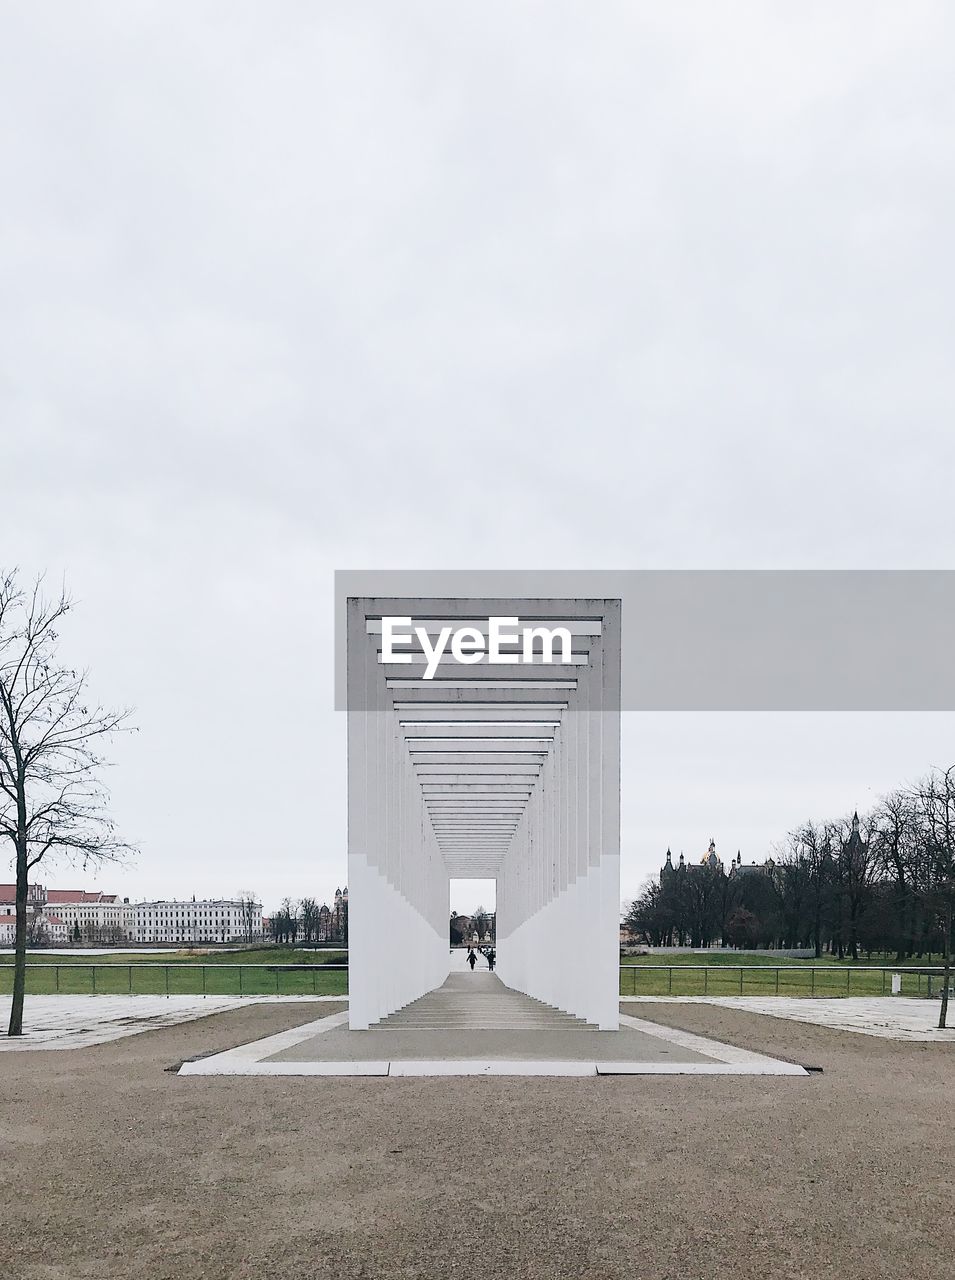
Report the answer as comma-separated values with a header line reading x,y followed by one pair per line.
x,y
483,764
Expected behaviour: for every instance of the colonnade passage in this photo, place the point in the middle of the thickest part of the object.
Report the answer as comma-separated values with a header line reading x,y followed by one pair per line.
x,y
460,766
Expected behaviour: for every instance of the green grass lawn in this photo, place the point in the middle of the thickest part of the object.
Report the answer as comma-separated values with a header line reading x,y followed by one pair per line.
x,y
714,958
728,975
268,971
188,955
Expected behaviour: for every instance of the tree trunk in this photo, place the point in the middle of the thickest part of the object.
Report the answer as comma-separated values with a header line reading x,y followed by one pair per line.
x,y
947,960
15,1027
903,921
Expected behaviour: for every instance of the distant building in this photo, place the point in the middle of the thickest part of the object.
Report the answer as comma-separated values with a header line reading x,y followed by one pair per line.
x,y
739,867
331,924
78,916
207,920
68,915
42,929
36,895
339,918
468,931
461,930
711,862
93,917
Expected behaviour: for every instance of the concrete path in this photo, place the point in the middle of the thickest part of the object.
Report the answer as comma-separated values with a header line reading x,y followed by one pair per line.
x,y
475,1025
478,1001
459,961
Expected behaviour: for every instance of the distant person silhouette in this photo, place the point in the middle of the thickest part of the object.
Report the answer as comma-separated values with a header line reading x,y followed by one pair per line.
x,y
472,959
491,957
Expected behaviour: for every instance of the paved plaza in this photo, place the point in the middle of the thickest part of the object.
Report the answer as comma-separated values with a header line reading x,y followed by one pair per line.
x,y
76,1022
890,1017
472,1019
113,1165
475,1025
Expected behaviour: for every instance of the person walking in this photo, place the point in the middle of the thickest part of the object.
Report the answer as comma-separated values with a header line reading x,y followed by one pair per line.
x,y
472,958
491,957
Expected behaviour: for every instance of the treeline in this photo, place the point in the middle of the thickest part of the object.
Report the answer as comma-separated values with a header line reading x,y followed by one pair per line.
x,y
90,932
306,922
880,883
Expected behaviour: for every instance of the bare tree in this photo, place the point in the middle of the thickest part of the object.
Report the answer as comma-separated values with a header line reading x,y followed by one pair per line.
x,y
38,935
895,841
290,906
936,876
285,922
856,869
52,801
308,913
480,922
249,908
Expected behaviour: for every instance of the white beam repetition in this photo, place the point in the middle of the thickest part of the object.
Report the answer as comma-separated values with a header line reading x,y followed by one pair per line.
x,y
480,771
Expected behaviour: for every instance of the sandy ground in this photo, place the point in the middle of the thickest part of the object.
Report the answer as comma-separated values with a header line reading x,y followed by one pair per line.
x,y
112,1166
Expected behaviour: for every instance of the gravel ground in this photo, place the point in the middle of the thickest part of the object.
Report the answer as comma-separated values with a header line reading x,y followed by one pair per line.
x,y
111,1166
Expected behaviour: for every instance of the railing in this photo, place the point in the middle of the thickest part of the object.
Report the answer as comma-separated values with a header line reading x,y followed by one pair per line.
x,y
183,978
155,978
761,980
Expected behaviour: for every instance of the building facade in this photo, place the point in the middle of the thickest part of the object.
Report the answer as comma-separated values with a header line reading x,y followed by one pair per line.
x,y
42,928
67,915
93,917
711,862
207,920
80,917
331,924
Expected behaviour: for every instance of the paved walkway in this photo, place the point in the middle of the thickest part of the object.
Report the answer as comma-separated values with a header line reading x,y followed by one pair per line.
x,y
75,1022
475,1025
478,1001
889,1017
459,961
471,1014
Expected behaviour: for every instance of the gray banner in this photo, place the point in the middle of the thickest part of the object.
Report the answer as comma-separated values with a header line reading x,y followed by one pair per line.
x,y
762,640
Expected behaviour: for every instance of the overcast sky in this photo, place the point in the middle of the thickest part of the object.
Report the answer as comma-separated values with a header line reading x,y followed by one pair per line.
x,y
295,287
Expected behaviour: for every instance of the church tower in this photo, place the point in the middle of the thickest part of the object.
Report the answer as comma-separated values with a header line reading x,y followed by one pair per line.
x,y
667,869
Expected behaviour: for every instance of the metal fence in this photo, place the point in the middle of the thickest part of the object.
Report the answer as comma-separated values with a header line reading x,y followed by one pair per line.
x,y
788,980
178,978
157,978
